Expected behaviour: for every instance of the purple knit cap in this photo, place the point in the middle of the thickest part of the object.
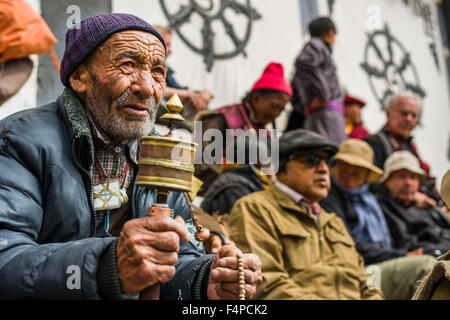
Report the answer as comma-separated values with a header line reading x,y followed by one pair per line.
x,y
84,38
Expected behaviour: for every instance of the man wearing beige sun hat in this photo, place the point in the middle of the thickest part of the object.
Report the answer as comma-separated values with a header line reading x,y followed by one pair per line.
x,y
427,228
350,198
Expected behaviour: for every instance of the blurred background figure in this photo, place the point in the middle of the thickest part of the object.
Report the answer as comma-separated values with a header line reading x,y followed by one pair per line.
x,y
23,32
436,285
13,75
426,227
259,108
350,198
402,116
238,179
316,86
354,128
193,100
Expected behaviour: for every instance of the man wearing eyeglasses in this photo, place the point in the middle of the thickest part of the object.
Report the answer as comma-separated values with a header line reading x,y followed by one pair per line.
x,y
306,252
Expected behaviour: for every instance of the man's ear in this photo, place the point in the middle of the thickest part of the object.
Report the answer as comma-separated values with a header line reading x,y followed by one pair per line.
x,y
281,176
79,80
255,99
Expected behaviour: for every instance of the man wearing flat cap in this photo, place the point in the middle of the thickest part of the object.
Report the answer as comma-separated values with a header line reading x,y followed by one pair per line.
x,y
57,240
306,252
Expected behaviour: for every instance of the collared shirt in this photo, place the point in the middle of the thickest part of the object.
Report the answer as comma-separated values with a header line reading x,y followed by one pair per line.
x,y
119,162
299,198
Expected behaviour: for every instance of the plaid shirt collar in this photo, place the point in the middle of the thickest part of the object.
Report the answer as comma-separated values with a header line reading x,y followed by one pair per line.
x,y
110,145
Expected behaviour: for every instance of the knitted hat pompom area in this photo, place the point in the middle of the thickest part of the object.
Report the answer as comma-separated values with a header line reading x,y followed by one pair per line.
x,y
273,79
84,38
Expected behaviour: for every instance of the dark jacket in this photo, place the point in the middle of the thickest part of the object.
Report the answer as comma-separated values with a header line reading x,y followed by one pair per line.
x,y
229,187
336,202
382,147
314,76
383,143
47,221
412,227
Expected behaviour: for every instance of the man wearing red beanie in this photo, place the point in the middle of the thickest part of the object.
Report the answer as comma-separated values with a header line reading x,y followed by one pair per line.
x,y
261,106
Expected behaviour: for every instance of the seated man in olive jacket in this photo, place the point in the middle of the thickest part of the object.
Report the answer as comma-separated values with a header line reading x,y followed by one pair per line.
x,y
67,228
306,252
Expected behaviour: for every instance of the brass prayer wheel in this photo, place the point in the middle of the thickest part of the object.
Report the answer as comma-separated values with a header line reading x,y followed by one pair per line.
x,y
166,163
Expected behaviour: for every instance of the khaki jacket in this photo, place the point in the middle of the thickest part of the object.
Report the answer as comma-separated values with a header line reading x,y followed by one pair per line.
x,y
300,259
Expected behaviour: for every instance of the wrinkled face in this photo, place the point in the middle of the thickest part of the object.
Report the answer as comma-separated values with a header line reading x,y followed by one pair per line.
x,y
122,83
402,185
353,113
350,176
404,116
268,107
313,182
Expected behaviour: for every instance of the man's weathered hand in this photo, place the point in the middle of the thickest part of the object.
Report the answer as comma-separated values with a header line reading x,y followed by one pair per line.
x,y
224,275
147,251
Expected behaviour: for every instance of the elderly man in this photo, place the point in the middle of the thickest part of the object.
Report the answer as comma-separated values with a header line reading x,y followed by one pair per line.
x,y
350,198
411,226
402,113
306,252
56,239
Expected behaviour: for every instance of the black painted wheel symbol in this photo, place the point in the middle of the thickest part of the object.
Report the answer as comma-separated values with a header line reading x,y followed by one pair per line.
x,y
217,16
389,66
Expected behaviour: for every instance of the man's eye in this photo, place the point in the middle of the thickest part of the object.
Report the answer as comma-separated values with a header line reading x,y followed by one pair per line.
x,y
161,71
128,64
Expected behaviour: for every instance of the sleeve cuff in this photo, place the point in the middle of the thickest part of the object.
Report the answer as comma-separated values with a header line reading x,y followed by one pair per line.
x,y
200,287
108,279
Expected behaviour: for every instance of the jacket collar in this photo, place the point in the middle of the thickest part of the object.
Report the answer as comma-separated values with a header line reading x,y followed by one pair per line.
x,y
285,202
82,142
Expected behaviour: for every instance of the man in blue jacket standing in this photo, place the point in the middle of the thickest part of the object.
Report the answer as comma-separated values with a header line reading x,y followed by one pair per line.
x,y
56,239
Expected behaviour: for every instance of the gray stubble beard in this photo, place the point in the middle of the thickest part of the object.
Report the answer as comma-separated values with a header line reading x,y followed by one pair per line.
x,y
124,128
